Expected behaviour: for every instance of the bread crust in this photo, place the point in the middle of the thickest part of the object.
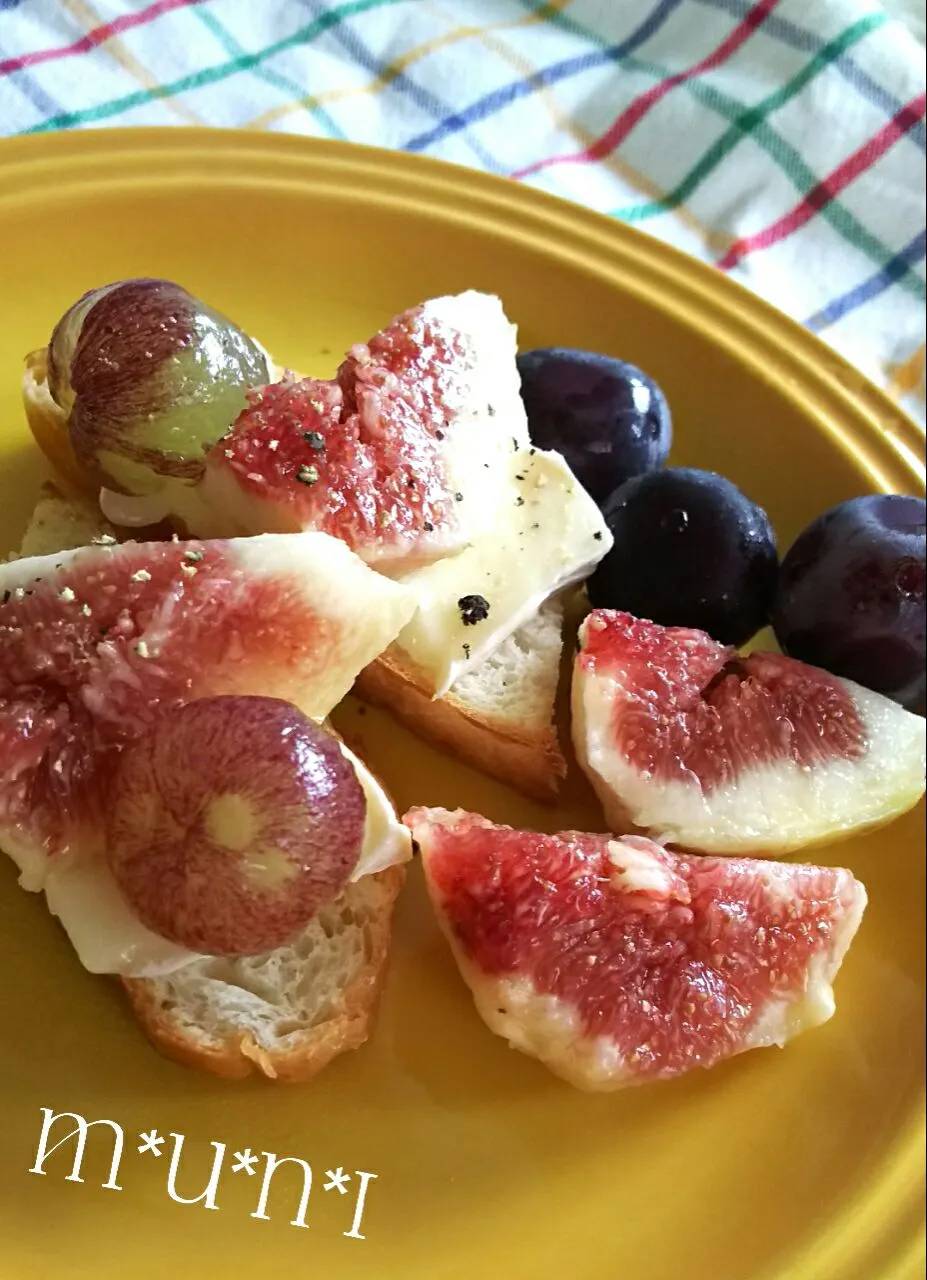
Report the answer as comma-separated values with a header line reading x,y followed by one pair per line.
x,y
49,426
237,1054
531,761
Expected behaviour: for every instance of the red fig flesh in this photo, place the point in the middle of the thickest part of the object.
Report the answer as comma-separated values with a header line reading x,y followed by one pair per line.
x,y
615,961
714,751
398,455
97,644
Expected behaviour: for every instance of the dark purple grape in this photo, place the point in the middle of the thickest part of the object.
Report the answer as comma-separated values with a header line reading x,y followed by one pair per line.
x,y
608,419
851,595
690,551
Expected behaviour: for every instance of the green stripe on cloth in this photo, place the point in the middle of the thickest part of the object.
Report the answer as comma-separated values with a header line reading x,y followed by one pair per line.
x,y
747,121
754,122
292,90
210,75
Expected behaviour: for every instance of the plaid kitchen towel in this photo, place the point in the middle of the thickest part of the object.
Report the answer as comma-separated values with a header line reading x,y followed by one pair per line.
x,y
781,140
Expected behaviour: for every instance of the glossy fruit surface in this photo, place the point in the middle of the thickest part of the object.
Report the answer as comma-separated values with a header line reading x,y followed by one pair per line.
x,y
231,821
852,598
149,378
691,550
607,417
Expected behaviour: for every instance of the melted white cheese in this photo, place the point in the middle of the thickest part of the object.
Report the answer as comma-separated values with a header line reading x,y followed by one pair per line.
x,y
108,938
546,534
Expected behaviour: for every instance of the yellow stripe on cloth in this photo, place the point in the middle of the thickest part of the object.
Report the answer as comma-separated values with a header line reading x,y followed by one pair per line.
x,y
395,68
88,17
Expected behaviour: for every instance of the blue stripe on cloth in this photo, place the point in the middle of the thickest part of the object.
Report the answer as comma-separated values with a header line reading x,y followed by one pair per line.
x,y
810,42
30,88
348,38
290,87
871,288
500,98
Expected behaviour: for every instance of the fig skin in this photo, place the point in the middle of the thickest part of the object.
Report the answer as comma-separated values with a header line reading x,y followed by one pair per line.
x,y
231,822
149,378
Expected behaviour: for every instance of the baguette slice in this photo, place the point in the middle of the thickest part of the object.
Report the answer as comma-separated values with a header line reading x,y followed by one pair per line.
x,y
498,718
62,523
285,1014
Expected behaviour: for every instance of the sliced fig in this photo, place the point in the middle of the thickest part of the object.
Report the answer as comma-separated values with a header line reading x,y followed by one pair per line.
x,y
397,456
97,644
715,751
231,821
616,962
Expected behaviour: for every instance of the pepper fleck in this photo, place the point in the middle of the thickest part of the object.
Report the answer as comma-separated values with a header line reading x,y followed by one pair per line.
x,y
597,536
519,501
466,649
473,609
491,410
428,527
458,497
314,439
439,435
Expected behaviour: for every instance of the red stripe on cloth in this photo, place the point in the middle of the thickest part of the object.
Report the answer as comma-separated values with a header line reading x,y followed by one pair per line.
x,y
830,187
99,35
635,112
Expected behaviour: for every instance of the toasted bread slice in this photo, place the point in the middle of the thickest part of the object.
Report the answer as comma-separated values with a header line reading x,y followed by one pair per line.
x,y
285,1014
500,717
62,522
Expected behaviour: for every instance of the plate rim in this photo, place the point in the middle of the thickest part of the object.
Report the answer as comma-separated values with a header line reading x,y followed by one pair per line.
x,y
858,416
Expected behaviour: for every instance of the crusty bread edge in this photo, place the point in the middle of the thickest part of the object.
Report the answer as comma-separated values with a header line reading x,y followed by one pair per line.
x,y
239,1055
49,426
531,762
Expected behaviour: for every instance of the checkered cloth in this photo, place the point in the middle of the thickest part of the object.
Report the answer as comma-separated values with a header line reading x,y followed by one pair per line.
x,y
782,140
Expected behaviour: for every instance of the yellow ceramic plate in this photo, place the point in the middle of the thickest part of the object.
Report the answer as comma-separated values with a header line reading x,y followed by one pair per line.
x,y
803,1164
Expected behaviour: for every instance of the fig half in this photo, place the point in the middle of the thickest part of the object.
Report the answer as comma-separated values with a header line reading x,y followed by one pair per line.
x,y
691,742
